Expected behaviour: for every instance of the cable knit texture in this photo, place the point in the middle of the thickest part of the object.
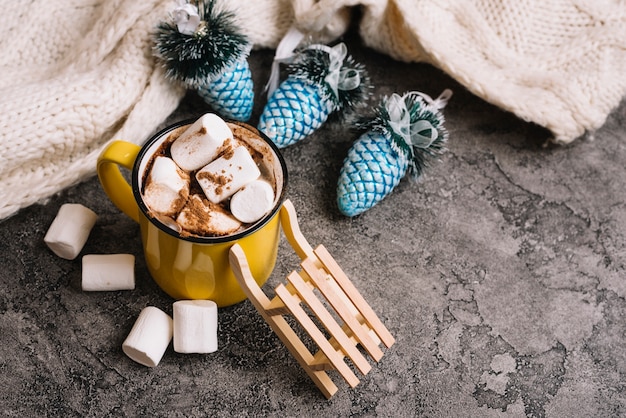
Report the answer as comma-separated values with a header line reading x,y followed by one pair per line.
x,y
76,74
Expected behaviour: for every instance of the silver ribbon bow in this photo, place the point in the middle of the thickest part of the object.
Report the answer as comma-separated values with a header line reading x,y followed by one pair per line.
x,y
186,17
422,133
338,79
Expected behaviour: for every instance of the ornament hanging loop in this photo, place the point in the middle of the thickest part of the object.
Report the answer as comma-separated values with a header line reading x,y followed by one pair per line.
x,y
438,103
284,54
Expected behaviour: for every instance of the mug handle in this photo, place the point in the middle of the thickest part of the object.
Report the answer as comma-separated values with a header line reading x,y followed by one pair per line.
x,y
116,154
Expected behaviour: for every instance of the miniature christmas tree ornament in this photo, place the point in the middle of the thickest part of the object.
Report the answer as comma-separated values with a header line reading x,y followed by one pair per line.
x,y
322,80
203,49
404,132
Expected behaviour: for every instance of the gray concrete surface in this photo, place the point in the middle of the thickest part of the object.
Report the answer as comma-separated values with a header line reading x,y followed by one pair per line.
x,y
501,275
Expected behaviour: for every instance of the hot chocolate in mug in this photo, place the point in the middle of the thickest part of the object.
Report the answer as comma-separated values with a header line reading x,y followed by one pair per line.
x,y
189,266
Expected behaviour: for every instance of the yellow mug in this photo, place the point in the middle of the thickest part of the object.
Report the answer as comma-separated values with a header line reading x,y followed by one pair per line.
x,y
192,267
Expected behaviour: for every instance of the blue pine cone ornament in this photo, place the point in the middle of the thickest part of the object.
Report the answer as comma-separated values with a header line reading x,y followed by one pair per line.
x,y
321,81
203,48
403,134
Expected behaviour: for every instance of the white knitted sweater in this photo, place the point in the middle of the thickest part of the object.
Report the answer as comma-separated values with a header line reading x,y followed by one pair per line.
x,y
75,74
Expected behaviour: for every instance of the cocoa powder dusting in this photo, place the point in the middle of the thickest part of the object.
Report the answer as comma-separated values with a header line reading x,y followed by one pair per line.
x,y
227,150
194,213
218,181
198,218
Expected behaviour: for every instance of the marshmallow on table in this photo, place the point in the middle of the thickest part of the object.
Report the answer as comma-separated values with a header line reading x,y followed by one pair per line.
x,y
106,272
224,176
253,201
150,336
199,216
201,142
167,187
195,326
70,229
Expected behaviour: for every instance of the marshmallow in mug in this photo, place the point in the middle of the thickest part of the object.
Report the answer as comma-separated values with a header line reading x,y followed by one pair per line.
x,y
227,174
253,201
167,187
199,216
201,143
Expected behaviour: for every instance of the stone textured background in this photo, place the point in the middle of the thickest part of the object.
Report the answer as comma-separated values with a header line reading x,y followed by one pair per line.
x,y
501,275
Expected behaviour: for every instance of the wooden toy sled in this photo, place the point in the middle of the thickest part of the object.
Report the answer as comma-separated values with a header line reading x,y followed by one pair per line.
x,y
323,289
